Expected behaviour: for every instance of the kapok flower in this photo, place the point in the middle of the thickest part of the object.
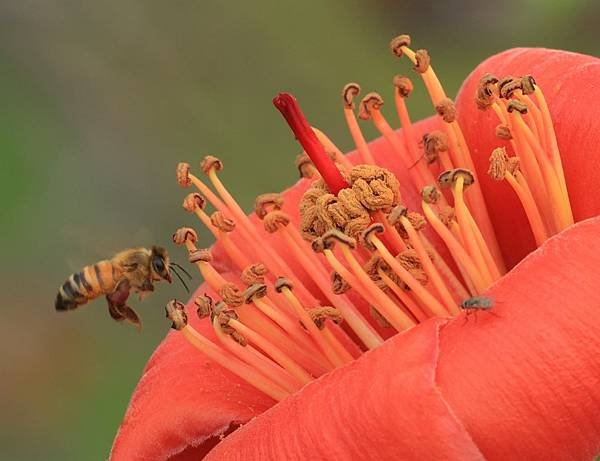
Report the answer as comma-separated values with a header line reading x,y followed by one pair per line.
x,y
393,242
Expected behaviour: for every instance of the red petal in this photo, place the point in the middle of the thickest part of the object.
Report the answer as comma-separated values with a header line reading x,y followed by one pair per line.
x,y
398,413
521,384
569,82
184,401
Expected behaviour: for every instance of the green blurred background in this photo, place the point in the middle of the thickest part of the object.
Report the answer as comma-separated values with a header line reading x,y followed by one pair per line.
x,y
100,100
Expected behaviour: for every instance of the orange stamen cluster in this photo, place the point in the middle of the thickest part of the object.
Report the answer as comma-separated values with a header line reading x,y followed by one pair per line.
x,y
277,316
535,171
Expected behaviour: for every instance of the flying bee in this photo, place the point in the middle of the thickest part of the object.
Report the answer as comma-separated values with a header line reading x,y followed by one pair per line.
x,y
135,269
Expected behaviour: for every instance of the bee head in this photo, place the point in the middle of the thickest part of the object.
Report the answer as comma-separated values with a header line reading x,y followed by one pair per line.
x,y
161,263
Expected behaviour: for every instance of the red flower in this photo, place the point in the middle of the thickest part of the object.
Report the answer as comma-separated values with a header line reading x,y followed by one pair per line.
x,y
521,384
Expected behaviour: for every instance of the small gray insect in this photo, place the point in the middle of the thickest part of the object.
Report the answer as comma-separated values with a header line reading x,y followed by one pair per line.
x,y
477,302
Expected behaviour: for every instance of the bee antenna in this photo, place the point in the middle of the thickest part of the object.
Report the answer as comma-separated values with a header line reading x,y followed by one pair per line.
x,y
180,279
182,269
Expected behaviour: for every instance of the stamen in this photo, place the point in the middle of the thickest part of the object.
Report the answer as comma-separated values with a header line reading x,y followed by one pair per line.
x,y
256,359
361,282
456,249
427,300
370,106
194,203
403,296
216,282
215,353
430,269
403,87
269,348
445,108
350,91
354,319
271,258
328,345
471,235
498,171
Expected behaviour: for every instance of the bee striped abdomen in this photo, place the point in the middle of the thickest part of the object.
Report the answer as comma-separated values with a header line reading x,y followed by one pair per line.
x,y
86,285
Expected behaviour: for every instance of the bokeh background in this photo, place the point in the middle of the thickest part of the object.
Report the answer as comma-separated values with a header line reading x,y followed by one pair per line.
x,y
100,100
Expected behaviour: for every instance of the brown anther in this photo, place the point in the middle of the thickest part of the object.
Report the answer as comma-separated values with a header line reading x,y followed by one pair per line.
x,y
446,179
434,143
368,233
404,85
446,109
518,106
193,201
184,234
204,306
483,100
231,294
183,174
275,220
379,318
221,222
373,266
333,236
267,202
498,164
323,313
430,194
372,101
238,338
374,187
254,291
488,79
514,165
527,84
423,61
398,42
218,307
305,166
397,212
283,282
176,313
350,91
446,215
200,255
254,273
338,284
486,91
223,318
507,88
503,132
409,259
467,175
449,177
503,82
209,162
417,220
317,245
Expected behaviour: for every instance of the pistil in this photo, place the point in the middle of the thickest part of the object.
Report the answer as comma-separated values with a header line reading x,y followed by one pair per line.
x,y
289,108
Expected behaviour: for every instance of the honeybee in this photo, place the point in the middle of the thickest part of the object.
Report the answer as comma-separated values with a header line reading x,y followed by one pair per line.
x,y
135,269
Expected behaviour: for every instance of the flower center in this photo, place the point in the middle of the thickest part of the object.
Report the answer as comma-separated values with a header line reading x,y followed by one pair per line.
x,y
290,311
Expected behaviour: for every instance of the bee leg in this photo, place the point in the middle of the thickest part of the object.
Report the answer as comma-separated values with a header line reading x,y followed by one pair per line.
x,y
130,315
117,307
